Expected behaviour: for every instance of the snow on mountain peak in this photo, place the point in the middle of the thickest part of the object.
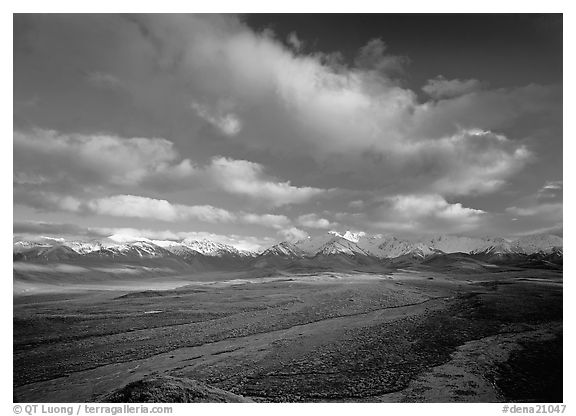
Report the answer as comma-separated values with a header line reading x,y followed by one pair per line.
x,y
353,236
211,248
332,243
82,247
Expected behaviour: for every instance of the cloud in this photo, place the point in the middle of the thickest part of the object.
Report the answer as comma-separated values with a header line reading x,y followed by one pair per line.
x,y
476,161
313,121
52,159
415,214
266,220
342,115
242,177
55,229
551,211
541,210
418,206
143,207
46,200
374,57
521,111
346,117
228,123
294,41
440,87
314,221
356,204
550,190
293,234
552,185
468,162
134,206
159,209
97,158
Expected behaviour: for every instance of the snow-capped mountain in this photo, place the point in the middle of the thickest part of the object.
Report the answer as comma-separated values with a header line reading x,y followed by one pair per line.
x,y
312,245
211,248
126,251
458,244
55,253
353,236
177,248
386,247
332,248
21,246
360,243
284,249
329,244
82,247
140,248
389,246
340,245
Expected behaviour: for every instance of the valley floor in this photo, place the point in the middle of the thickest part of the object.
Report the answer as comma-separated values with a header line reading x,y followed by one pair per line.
x,y
410,335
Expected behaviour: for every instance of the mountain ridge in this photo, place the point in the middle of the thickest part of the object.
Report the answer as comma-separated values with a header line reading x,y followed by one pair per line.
x,y
342,250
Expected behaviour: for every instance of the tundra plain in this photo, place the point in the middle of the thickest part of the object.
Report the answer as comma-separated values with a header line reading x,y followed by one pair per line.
x,y
414,334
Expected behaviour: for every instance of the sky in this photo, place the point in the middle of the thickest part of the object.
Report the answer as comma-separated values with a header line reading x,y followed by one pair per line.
x,y
254,129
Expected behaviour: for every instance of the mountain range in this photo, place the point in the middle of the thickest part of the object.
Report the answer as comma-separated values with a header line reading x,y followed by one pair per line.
x,y
332,250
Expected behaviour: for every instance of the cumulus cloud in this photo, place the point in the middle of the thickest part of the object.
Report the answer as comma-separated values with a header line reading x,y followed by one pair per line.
x,y
143,207
440,87
159,209
134,206
97,158
314,221
476,161
415,214
293,234
328,121
468,162
242,177
301,105
418,206
52,159
304,105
